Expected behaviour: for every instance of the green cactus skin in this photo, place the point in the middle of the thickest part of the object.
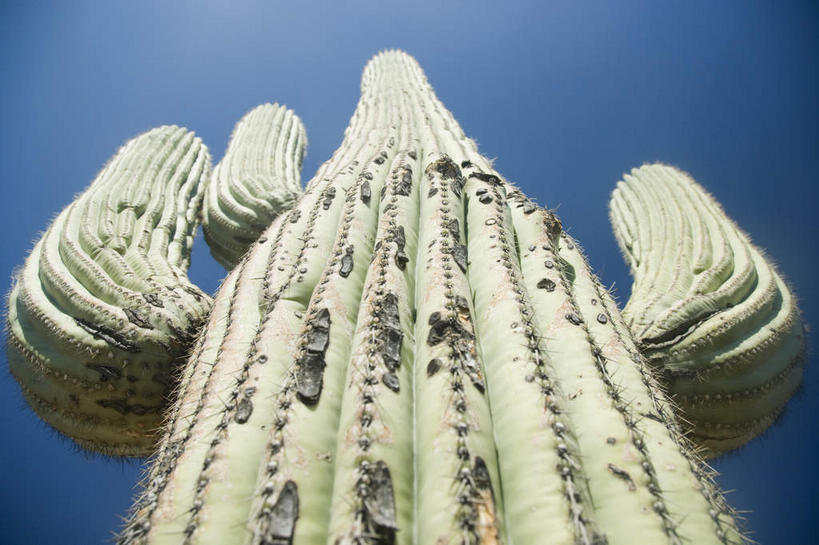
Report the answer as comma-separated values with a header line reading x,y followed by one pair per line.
x,y
102,313
707,309
415,353
258,178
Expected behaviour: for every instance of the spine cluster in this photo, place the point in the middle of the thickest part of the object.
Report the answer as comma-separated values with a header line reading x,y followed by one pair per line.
x,y
707,309
258,179
416,353
102,313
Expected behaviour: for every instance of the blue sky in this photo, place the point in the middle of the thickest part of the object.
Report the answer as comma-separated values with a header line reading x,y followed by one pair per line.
x,y
566,98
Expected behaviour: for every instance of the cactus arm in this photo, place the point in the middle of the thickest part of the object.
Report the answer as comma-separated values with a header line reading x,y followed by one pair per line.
x,y
725,329
102,311
258,179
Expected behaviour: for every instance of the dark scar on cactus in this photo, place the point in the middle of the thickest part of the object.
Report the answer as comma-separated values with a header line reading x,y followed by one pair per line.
x,y
282,518
310,365
106,372
446,167
484,177
404,185
346,262
192,291
245,408
294,215
137,319
456,185
366,192
329,195
380,502
390,380
481,475
433,366
108,335
454,228
400,238
391,334
152,299
443,328
546,284
466,164
459,255
623,474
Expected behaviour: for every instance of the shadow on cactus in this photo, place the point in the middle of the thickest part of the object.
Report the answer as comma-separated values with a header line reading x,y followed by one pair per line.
x,y
417,353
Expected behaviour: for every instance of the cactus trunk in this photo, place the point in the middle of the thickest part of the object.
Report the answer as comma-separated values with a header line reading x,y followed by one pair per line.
x,y
415,353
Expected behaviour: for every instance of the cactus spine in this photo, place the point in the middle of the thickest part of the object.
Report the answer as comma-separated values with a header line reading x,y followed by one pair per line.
x,y
258,178
707,308
102,313
415,353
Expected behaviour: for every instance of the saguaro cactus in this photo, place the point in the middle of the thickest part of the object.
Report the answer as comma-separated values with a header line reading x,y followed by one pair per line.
x,y
416,353
707,308
102,313
258,178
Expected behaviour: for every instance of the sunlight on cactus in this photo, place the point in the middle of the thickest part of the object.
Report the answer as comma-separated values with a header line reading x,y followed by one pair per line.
x,y
415,352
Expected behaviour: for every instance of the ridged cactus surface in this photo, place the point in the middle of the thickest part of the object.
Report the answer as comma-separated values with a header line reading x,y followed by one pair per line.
x,y
258,179
707,308
416,353
102,313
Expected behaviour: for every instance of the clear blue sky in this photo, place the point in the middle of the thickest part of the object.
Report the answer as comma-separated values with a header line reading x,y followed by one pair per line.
x,y
566,98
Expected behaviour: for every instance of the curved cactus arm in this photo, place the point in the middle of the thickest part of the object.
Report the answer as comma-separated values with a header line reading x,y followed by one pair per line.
x,y
707,308
394,362
102,312
258,179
